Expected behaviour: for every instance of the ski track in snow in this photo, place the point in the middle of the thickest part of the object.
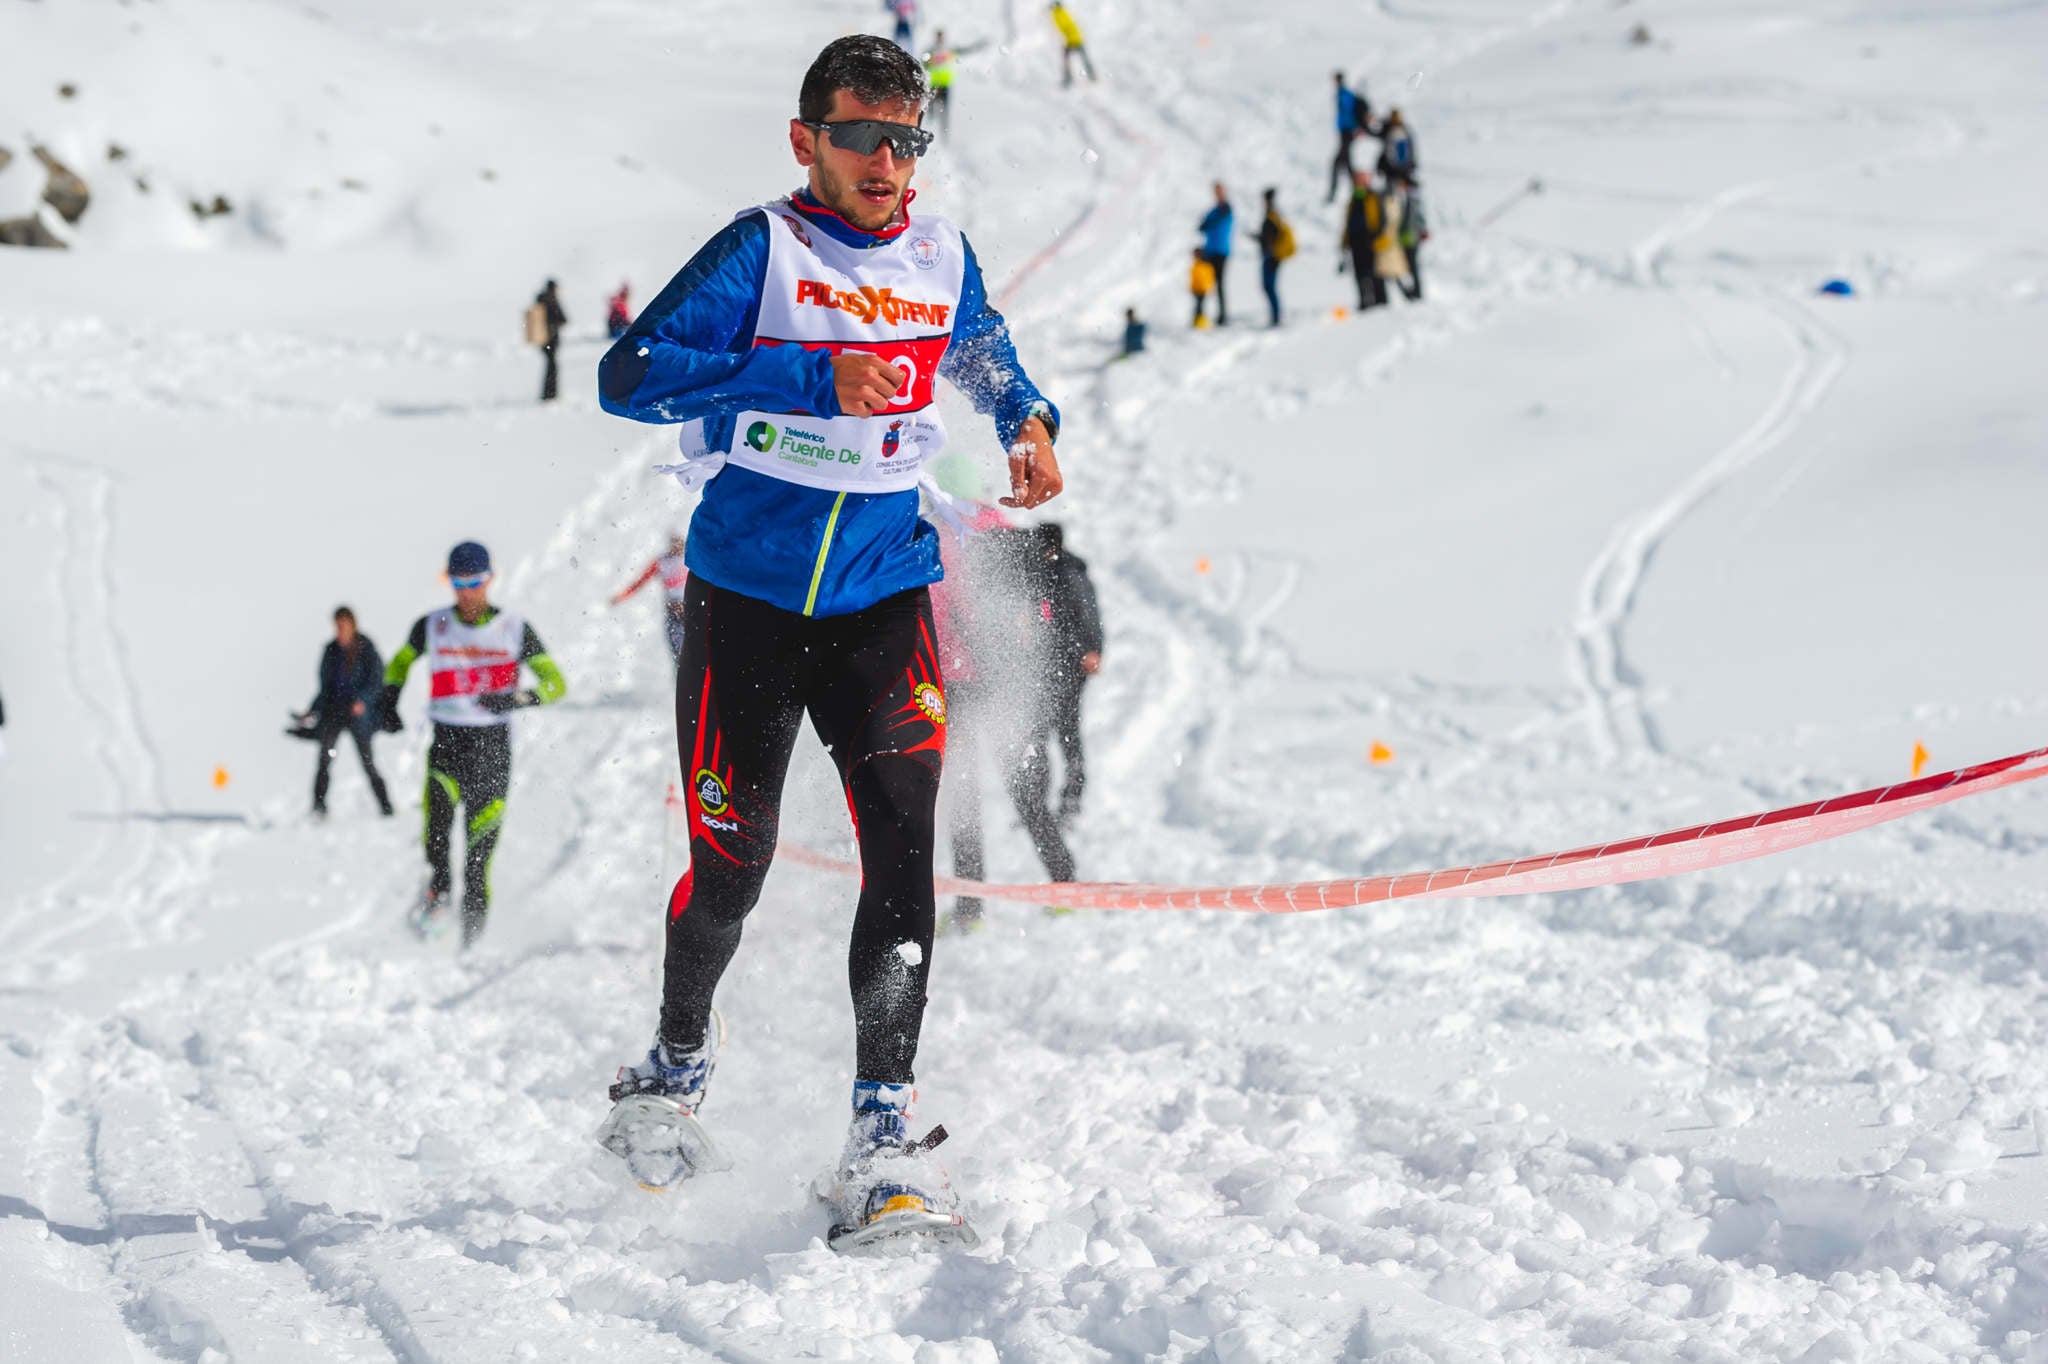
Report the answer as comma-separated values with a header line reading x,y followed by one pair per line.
x,y
343,1147
115,885
1616,715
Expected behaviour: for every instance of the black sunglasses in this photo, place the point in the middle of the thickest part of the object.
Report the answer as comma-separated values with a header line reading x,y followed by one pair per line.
x,y
862,135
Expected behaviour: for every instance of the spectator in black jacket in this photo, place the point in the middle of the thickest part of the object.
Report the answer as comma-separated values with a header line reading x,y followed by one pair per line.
x,y
1276,247
1068,608
351,681
1364,218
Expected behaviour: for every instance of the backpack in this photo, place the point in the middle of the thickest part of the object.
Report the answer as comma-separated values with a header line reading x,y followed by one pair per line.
x,y
1283,238
537,324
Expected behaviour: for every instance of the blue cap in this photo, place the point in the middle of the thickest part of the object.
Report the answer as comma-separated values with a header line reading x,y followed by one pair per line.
x,y
468,560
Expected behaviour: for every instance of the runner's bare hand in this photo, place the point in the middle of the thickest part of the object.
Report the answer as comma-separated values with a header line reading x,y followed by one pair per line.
x,y
1034,469
865,382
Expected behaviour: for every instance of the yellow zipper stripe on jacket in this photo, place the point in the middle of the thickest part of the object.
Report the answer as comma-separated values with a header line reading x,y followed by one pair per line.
x,y
824,548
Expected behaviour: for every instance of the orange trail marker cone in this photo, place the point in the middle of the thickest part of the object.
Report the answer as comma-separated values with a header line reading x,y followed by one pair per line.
x,y
1919,758
1340,312
1380,753
220,779
1201,565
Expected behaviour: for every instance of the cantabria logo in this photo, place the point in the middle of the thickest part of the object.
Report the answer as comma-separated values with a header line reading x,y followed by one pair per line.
x,y
872,305
762,436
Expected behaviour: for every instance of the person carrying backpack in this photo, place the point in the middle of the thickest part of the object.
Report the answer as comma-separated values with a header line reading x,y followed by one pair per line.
x,y
544,322
1397,150
1276,245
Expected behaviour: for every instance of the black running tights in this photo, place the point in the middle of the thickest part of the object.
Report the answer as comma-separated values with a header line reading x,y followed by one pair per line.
x,y
870,683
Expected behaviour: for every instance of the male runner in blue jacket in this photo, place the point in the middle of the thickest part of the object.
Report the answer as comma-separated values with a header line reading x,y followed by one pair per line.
x,y
805,338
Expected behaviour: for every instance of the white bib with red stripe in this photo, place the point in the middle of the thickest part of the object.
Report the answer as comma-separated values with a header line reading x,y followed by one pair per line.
x,y
896,300
466,661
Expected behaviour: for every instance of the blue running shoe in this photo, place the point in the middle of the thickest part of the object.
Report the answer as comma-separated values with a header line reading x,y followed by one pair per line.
x,y
653,1124
889,1192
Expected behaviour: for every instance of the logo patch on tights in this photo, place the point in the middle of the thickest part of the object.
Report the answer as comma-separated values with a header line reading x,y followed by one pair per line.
x,y
931,701
712,796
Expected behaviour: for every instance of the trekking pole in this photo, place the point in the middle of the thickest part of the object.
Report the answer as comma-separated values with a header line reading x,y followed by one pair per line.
x,y
1535,186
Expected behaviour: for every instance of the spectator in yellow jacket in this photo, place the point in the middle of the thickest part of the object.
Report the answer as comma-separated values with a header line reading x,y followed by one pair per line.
x,y
1070,32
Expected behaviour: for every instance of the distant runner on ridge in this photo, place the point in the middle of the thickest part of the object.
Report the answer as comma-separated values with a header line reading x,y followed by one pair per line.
x,y
806,338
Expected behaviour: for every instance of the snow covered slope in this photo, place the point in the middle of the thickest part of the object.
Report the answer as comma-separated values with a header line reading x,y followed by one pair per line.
x,y
1623,528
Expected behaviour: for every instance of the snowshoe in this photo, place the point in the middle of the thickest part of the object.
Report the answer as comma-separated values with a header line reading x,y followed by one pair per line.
x,y
889,1195
429,918
653,1124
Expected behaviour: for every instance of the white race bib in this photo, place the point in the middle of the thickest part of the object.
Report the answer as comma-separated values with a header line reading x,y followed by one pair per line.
x,y
897,301
468,661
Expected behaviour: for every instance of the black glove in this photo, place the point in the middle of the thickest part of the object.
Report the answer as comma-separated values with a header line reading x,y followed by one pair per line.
x,y
498,702
387,710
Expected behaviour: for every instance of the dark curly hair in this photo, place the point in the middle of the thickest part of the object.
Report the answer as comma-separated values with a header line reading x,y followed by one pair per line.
x,y
873,69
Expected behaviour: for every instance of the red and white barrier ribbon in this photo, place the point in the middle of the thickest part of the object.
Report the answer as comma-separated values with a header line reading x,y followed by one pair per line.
x,y
1637,859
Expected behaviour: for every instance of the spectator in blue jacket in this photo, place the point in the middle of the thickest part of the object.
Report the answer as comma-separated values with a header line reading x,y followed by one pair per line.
x,y
1354,116
1134,332
351,681
1215,228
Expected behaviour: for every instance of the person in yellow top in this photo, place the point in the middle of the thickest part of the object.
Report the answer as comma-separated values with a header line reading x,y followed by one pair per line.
x,y
1201,282
1365,219
938,69
1070,31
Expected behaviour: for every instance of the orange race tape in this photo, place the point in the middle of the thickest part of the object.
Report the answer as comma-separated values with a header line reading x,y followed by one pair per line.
x,y
1637,859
